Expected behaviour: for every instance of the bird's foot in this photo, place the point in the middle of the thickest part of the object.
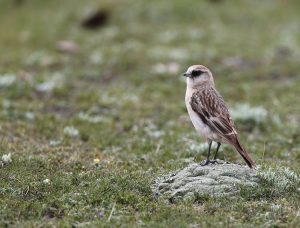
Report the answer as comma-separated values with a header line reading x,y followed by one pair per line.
x,y
215,161
207,162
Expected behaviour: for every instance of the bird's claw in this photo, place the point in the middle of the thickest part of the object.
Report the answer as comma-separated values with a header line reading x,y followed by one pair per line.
x,y
216,162
207,162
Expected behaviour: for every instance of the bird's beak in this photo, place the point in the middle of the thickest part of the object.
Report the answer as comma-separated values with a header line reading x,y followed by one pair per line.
x,y
187,74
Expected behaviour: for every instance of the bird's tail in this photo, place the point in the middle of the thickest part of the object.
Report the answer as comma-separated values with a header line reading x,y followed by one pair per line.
x,y
239,148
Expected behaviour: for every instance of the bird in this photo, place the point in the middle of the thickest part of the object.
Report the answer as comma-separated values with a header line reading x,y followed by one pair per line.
x,y
209,113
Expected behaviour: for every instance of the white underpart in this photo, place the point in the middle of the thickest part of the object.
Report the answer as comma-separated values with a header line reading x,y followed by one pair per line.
x,y
200,127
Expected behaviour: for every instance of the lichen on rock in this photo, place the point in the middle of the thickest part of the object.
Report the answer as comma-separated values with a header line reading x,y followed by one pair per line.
x,y
219,179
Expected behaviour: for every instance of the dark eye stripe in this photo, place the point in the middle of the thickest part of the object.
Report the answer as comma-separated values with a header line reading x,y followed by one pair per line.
x,y
196,72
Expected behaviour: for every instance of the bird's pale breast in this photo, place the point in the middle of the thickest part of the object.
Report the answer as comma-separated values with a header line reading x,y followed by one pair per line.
x,y
200,127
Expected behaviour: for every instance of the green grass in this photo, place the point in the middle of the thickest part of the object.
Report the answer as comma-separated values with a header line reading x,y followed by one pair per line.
x,y
140,129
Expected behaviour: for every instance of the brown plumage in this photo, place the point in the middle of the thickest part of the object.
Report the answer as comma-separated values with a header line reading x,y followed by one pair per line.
x,y
209,113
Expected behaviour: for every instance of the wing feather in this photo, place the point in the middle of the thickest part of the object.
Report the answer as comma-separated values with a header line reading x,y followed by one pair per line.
x,y
211,108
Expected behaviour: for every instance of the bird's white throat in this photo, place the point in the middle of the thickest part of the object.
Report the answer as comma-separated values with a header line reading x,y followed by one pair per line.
x,y
189,82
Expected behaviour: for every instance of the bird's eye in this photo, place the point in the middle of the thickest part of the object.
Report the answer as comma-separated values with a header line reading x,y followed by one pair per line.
x,y
196,73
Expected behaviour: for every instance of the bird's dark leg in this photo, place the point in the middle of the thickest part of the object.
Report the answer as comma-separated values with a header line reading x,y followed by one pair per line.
x,y
219,144
208,155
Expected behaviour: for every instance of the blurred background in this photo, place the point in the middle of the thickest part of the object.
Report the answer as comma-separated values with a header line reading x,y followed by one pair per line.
x,y
99,82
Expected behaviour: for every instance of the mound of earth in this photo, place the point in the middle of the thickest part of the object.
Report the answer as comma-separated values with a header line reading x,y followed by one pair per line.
x,y
217,179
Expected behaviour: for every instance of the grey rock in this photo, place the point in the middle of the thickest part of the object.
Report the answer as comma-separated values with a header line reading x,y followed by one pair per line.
x,y
219,179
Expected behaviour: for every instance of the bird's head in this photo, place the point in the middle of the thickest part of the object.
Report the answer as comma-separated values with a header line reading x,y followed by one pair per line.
x,y
198,75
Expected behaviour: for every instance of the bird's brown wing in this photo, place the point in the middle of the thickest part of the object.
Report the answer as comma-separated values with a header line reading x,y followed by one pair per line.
x,y
211,108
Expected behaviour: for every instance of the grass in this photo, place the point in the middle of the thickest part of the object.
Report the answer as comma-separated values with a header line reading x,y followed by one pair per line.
x,y
124,95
